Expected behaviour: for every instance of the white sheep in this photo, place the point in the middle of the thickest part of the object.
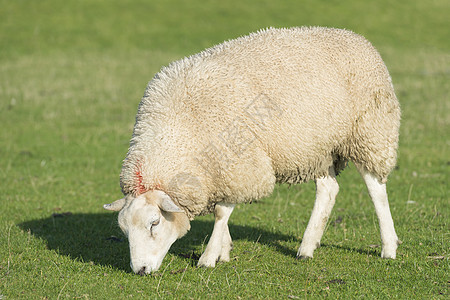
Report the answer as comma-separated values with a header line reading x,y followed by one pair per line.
x,y
223,126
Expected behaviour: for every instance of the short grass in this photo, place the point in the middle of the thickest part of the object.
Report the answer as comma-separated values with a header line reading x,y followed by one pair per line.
x,y
71,77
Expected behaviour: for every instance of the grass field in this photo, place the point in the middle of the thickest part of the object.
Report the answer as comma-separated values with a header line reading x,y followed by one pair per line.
x,y
71,76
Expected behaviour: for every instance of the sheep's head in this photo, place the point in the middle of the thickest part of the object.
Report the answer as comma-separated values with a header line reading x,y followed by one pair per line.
x,y
152,222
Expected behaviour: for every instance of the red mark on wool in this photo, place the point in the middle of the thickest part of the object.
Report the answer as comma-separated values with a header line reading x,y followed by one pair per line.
x,y
140,188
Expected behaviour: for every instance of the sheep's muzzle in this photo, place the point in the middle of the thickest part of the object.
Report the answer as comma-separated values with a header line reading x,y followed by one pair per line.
x,y
142,272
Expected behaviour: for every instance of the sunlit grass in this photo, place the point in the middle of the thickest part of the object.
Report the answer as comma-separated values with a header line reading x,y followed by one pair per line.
x,y
71,77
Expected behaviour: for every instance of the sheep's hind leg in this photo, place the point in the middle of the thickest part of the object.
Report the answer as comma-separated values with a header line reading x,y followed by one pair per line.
x,y
219,245
326,191
377,192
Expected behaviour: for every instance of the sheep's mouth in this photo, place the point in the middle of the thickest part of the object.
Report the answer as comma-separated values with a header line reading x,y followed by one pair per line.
x,y
142,272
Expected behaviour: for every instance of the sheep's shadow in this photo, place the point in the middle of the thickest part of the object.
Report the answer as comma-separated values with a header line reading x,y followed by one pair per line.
x,y
92,238
97,238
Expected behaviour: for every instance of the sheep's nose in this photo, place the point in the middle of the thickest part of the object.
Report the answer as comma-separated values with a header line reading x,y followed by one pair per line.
x,y
141,272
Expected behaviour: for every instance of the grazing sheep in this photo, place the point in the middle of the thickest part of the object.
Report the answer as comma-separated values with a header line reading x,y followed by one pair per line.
x,y
223,126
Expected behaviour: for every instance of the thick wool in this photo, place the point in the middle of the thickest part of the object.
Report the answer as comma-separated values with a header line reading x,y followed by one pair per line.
x,y
279,105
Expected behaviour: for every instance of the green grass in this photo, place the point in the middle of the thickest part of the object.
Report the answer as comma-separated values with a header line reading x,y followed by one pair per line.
x,y
71,76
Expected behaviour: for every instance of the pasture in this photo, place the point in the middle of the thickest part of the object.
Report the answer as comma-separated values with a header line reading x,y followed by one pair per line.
x,y
71,76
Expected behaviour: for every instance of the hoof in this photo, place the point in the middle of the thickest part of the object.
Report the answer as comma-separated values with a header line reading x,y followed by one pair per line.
x,y
205,262
388,253
303,257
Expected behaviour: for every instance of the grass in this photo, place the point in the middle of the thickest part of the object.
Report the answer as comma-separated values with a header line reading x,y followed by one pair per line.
x,y
71,76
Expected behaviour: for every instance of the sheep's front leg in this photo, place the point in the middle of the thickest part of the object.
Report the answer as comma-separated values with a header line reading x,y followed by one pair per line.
x,y
326,191
219,245
377,192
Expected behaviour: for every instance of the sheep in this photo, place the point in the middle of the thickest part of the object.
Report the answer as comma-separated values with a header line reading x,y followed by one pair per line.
x,y
223,126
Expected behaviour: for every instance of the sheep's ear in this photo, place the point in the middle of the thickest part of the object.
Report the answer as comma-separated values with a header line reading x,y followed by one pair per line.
x,y
167,204
116,205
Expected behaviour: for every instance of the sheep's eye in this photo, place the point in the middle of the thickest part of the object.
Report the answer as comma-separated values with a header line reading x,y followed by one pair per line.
x,y
152,225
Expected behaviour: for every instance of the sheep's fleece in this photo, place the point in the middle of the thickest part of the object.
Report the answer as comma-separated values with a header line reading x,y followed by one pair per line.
x,y
276,106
